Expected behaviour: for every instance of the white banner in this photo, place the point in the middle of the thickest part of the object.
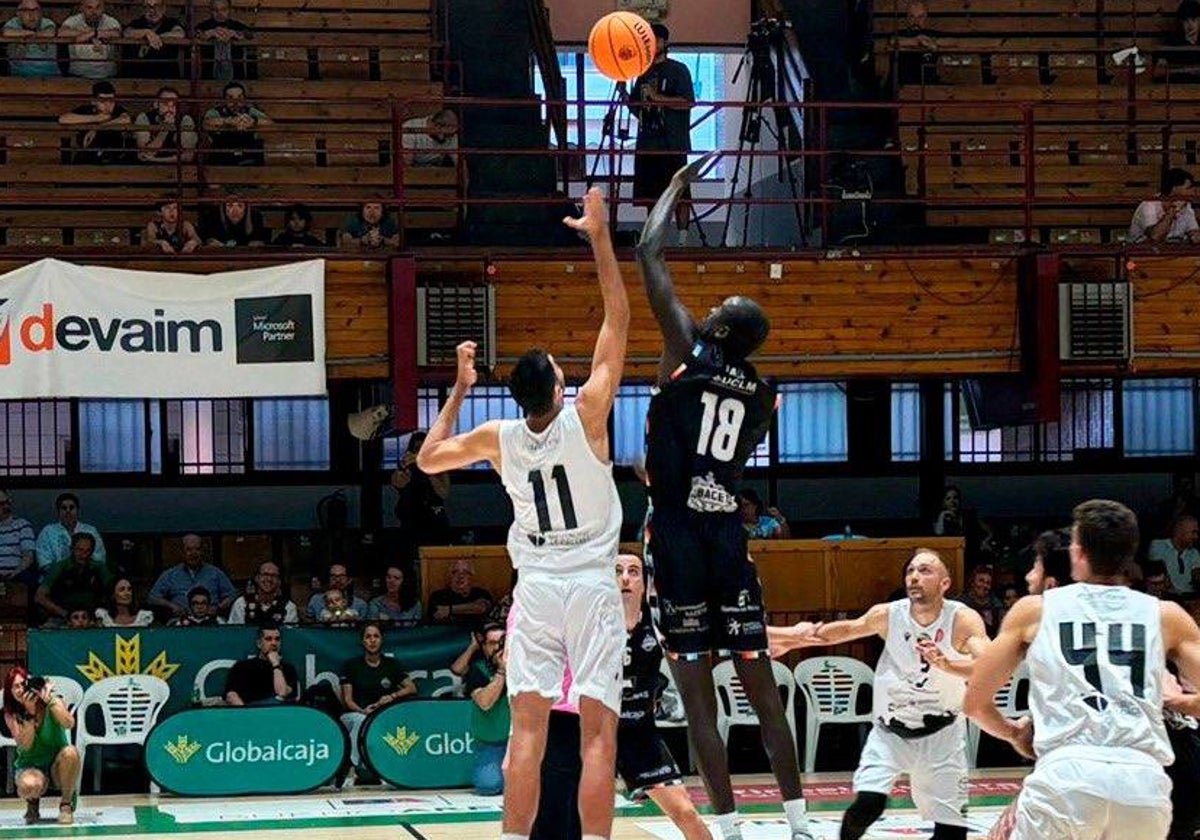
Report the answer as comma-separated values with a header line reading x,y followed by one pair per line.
x,y
92,331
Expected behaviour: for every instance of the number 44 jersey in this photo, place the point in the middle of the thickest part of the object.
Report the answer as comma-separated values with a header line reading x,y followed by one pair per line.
x,y
1096,668
566,512
702,427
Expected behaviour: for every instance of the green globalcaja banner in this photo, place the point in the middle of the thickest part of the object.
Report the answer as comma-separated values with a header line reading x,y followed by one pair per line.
x,y
197,659
243,751
421,744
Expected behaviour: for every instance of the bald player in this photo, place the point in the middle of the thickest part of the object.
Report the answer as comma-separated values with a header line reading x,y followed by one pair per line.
x,y
920,682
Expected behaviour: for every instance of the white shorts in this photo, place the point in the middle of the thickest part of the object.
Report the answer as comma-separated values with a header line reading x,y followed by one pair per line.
x,y
575,619
936,766
1072,797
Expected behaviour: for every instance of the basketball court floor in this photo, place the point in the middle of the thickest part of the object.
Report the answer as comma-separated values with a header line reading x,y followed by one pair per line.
x,y
385,814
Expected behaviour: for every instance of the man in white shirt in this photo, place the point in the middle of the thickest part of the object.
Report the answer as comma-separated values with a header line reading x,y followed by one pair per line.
x,y
1170,218
92,56
432,140
1178,554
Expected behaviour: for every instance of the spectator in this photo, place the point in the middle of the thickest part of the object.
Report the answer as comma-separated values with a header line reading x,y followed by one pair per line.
x,y
337,612
1011,596
157,57
75,584
122,609
230,127
92,54
101,138
1169,218
662,100
164,135
432,140
760,525
1179,555
979,596
223,52
369,682
297,229
264,679
916,46
54,543
1180,63
169,232
80,619
40,724
398,602
1183,501
339,579
955,520
16,541
1157,582
490,716
200,610
232,224
171,591
461,602
32,53
370,229
420,502
265,602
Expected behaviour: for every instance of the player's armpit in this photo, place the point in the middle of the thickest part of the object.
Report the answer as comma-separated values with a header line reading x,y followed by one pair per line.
x,y
996,666
1181,637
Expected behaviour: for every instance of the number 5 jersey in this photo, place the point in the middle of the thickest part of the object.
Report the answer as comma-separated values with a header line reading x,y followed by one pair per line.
x,y
1096,668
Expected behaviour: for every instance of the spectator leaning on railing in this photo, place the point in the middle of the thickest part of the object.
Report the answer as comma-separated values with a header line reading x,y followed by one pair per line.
x,y
224,54
101,138
432,140
168,231
93,56
32,53
157,54
371,228
232,224
1169,218
230,125
1181,63
165,135
297,229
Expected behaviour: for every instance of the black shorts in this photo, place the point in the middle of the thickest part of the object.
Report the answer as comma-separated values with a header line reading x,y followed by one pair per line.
x,y
707,589
652,174
643,760
1185,775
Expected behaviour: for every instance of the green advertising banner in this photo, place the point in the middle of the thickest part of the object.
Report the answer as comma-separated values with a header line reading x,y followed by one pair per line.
x,y
420,744
195,660
245,751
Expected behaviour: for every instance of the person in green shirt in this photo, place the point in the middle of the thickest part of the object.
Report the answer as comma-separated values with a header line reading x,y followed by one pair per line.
x,y
490,719
370,682
40,722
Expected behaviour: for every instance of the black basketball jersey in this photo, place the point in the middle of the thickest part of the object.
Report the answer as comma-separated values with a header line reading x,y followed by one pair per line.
x,y
702,427
643,658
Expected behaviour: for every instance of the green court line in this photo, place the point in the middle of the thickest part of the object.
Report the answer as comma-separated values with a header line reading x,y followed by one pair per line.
x,y
149,819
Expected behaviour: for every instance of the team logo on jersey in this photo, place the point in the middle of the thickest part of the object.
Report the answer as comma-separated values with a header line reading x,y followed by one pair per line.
x,y
709,496
735,379
937,637
734,627
648,643
743,599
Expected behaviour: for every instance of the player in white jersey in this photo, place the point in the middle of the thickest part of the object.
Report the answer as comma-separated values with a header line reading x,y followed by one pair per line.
x,y
1097,654
919,688
564,538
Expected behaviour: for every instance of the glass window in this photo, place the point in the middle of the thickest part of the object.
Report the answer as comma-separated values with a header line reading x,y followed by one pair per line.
x,y
1159,417
34,437
429,403
906,421
291,434
812,422
629,424
210,435
112,435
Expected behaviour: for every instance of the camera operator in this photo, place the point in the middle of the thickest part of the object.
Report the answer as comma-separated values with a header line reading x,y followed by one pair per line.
x,y
39,722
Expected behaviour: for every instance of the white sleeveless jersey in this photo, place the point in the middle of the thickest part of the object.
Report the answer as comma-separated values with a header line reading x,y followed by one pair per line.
x,y
566,512
1096,668
912,698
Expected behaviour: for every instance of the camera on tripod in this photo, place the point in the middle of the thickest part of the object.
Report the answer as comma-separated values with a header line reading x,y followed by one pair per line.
x,y
765,31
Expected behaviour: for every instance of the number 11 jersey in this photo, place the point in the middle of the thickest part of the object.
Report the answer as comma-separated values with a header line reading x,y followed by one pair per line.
x,y
1096,668
566,512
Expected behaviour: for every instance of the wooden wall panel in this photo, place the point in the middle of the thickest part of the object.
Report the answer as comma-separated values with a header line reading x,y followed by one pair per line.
x,y
829,317
1166,308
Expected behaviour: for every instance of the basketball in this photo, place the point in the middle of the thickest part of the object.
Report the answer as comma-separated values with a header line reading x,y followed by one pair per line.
x,y
622,46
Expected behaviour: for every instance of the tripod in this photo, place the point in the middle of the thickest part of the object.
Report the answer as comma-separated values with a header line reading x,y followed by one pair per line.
x,y
774,75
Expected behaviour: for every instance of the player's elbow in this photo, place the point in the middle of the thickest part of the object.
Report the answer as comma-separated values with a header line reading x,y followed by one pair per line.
x,y
976,702
426,460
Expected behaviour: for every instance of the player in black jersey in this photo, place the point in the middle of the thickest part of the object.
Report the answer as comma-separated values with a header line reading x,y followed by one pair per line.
x,y
710,413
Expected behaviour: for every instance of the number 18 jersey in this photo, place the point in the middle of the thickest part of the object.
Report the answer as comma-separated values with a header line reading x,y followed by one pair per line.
x,y
701,428
566,512
1096,668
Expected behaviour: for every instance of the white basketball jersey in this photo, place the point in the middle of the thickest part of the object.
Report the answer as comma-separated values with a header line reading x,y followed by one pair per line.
x,y
1096,668
566,512
912,698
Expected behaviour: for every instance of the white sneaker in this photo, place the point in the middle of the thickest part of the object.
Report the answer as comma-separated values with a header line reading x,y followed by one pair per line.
x,y
683,238
351,779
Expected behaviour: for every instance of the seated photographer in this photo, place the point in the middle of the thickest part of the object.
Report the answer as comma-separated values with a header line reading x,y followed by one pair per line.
x,y
40,724
369,682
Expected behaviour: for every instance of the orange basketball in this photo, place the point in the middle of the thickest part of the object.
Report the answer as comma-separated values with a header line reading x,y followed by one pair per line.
x,y
622,46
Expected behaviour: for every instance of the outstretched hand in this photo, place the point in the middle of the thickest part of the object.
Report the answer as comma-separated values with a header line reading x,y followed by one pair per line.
x,y
595,215
785,639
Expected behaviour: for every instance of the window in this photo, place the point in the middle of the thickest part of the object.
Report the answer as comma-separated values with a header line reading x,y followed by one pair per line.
x,y
812,422
112,436
1159,417
291,434
34,437
629,423
429,403
209,435
906,421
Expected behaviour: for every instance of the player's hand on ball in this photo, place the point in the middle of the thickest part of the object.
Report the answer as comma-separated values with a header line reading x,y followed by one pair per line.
x,y
467,375
595,215
1022,738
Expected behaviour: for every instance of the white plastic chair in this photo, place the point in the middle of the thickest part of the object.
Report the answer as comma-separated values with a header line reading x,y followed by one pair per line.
x,y
832,686
733,707
129,705
198,686
71,693
1007,703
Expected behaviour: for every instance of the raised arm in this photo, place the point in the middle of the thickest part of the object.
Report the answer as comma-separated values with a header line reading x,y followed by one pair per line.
x,y
596,396
995,667
677,325
441,451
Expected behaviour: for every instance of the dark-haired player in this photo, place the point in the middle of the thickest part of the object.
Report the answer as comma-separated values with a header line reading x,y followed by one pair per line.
x,y
566,525
710,412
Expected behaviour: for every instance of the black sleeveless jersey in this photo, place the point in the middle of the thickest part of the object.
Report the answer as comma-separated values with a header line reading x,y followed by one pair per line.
x,y
643,658
702,427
